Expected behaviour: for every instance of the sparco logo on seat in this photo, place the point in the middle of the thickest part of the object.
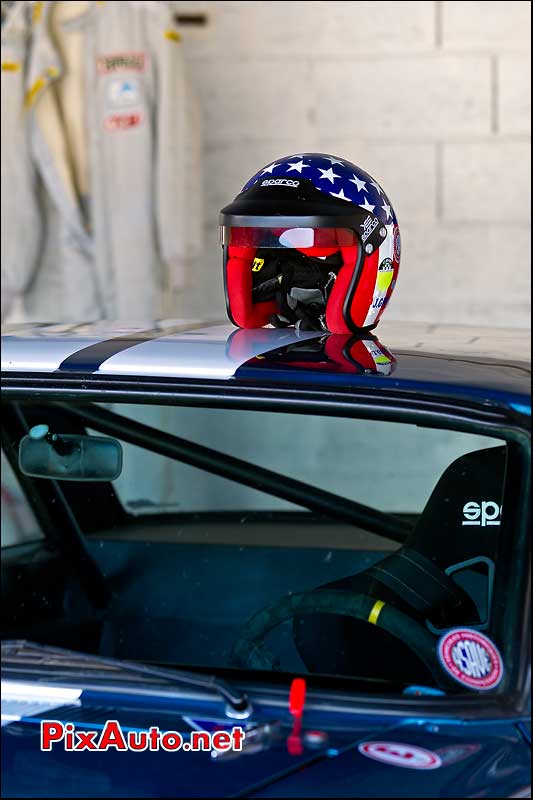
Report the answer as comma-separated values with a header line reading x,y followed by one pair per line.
x,y
485,513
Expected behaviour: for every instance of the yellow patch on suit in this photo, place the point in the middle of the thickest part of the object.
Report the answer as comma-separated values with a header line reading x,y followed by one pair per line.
x,y
174,36
33,91
37,12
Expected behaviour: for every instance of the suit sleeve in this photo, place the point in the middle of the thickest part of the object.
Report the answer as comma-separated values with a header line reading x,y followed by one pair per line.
x,y
20,216
179,217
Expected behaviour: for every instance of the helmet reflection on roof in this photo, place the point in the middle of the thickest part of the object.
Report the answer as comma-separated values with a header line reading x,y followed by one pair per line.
x,y
311,241
349,353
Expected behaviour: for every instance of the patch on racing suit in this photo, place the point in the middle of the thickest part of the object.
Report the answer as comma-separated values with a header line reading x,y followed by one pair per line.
x,y
123,92
122,122
116,62
172,35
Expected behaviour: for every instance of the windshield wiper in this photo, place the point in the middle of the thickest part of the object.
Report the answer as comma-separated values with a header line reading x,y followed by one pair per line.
x,y
24,654
244,472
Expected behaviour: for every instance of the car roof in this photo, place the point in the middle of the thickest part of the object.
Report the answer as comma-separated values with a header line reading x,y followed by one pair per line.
x,y
429,357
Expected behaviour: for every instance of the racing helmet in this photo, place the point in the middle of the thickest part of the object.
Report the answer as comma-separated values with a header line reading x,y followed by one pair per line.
x,y
312,241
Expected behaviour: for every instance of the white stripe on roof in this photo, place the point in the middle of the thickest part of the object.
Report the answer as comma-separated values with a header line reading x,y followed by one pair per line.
x,y
216,351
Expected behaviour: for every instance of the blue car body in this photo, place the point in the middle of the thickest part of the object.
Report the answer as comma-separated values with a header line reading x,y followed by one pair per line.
x,y
484,750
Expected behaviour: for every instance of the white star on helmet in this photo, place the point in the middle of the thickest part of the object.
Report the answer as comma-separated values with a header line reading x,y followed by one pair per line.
x,y
340,195
297,165
329,174
361,185
270,169
367,206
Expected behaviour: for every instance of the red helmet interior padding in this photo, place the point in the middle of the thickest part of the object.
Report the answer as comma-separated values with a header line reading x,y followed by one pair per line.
x,y
239,288
246,314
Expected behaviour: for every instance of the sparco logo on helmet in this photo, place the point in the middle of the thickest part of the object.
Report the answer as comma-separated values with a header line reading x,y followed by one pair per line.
x,y
280,182
370,224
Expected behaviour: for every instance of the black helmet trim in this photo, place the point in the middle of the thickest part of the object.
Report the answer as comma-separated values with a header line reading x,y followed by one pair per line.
x,y
348,297
281,206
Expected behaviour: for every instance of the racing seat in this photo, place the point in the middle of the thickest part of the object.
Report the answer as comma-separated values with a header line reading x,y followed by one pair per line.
x,y
414,579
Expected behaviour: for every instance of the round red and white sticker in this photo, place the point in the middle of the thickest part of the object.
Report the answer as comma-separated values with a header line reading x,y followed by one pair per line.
x,y
400,755
471,658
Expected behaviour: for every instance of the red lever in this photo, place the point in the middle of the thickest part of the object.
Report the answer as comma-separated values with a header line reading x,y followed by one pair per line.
x,y
296,708
297,697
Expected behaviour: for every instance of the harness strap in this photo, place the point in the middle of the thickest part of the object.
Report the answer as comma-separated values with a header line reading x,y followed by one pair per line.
x,y
418,582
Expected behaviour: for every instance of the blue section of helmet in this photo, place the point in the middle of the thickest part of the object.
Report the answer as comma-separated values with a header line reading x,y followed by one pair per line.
x,y
334,176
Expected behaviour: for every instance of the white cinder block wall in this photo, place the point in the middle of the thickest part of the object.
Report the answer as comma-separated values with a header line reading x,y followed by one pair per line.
x,y
433,98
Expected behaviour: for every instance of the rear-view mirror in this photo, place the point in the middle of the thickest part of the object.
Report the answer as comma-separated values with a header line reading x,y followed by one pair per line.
x,y
69,457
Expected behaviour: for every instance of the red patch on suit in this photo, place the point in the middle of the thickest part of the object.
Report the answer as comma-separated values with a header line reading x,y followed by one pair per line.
x,y
122,122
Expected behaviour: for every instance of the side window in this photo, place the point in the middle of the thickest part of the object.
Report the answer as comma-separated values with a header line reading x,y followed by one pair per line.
x,y
19,524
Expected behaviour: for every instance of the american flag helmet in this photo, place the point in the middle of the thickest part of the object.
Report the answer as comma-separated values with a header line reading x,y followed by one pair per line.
x,y
317,205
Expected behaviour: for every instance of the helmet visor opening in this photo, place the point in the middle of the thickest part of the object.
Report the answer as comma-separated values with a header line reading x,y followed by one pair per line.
x,y
282,238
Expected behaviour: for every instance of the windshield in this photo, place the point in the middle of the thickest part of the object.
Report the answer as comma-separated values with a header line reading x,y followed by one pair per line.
x,y
262,540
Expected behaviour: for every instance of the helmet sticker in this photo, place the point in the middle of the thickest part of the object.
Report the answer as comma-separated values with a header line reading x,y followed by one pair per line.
x,y
385,275
369,225
397,244
384,280
471,658
397,754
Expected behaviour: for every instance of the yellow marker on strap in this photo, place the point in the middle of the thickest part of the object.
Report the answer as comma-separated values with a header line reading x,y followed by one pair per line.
x,y
10,66
376,611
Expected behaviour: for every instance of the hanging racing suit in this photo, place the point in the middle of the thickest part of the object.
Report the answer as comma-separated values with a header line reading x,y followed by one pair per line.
x,y
101,162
